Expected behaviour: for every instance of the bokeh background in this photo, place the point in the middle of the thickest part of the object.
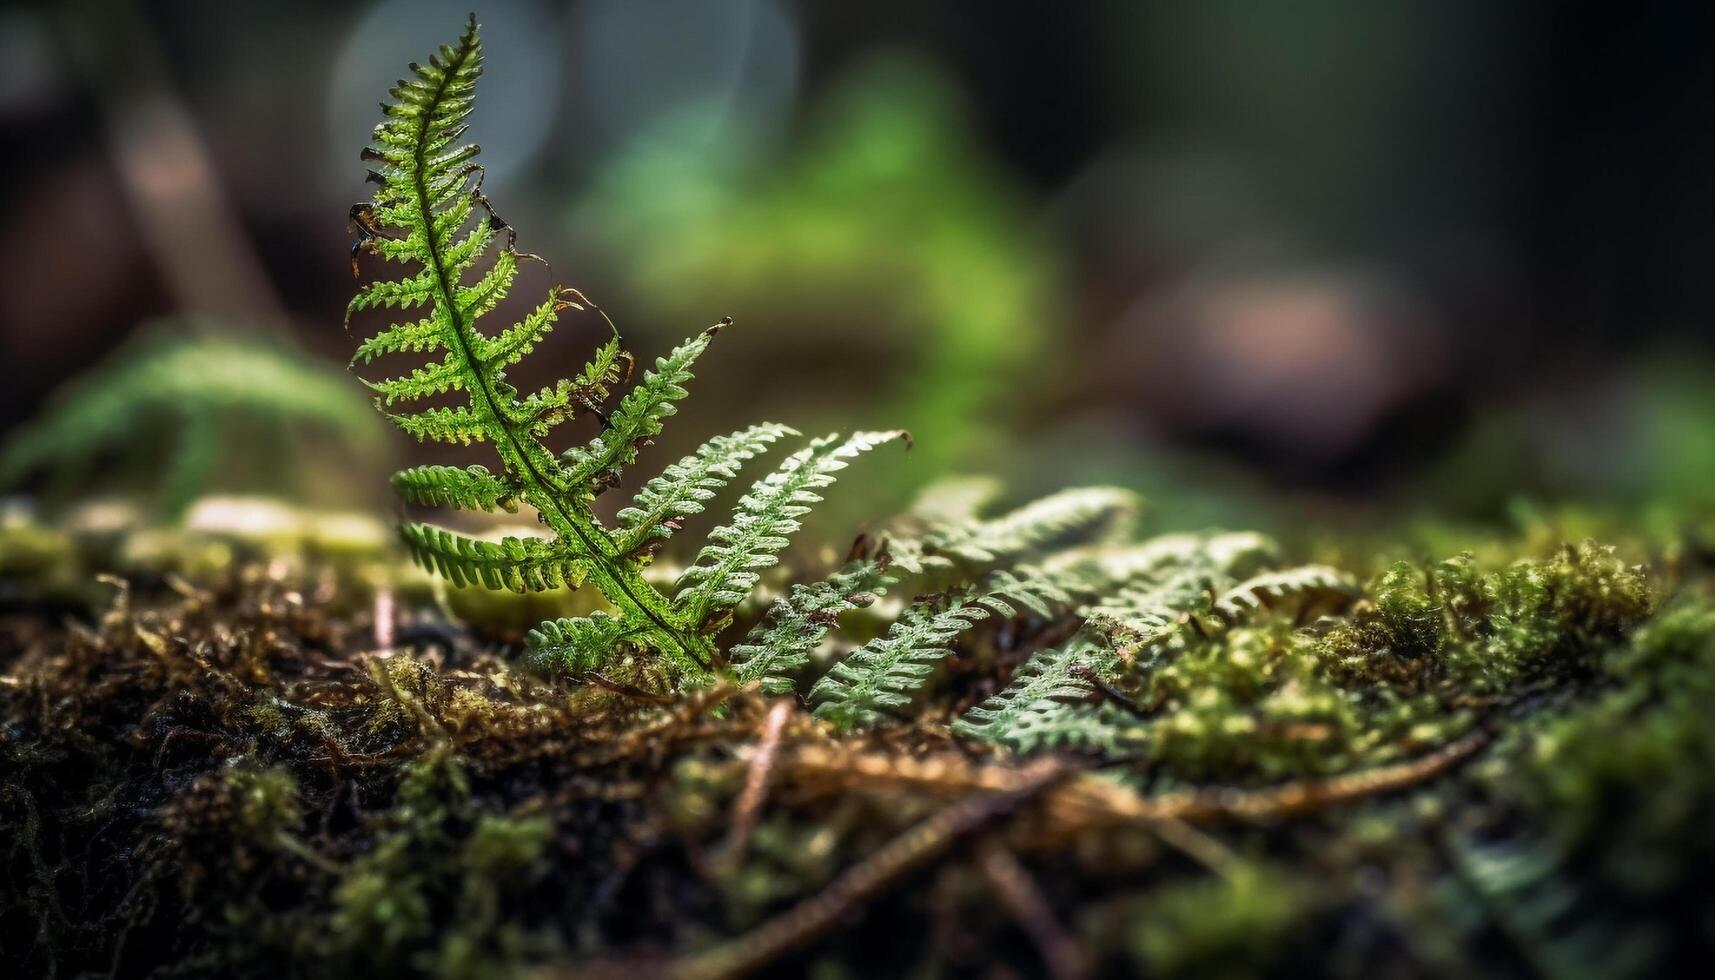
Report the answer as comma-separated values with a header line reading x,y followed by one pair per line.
x,y
1257,260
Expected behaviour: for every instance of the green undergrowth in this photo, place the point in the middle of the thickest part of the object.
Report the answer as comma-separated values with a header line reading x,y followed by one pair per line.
x,y
185,409
1496,766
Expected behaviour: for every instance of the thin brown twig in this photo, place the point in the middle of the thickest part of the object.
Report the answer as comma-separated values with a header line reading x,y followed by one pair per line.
x,y
748,808
863,881
1196,844
1061,954
627,690
1085,802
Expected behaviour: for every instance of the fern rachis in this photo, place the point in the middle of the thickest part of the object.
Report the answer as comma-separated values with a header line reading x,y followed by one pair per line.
x,y
430,190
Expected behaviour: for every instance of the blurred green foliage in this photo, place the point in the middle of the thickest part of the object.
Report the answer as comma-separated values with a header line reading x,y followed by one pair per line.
x,y
185,409
882,245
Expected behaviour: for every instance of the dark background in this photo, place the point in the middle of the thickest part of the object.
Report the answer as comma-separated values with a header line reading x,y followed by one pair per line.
x,y
1322,241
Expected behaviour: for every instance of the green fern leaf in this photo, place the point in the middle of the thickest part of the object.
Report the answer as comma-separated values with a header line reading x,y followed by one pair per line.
x,y
780,645
681,489
575,645
516,342
518,564
404,293
726,570
1078,516
1094,571
1144,616
420,337
880,675
1168,580
1035,709
451,425
424,382
471,488
1304,587
638,417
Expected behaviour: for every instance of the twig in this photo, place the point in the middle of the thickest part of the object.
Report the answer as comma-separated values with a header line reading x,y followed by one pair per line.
x,y
1194,843
1109,691
626,690
1083,803
1061,954
748,808
813,916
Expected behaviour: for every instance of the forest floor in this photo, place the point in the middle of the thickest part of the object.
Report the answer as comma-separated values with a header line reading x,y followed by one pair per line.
x,y
228,778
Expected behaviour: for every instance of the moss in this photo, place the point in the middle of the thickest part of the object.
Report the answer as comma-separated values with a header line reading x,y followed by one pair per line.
x,y
1231,924
224,779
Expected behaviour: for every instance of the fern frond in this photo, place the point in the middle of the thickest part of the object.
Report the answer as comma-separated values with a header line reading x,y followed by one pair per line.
x,y
679,492
1035,710
1077,516
576,644
420,337
880,675
451,425
1145,616
1303,587
638,417
518,564
1094,571
1177,576
424,382
1103,729
430,211
797,623
470,488
727,568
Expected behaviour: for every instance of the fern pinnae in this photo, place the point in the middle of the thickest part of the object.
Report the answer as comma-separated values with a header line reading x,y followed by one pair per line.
x,y
1303,586
420,337
1080,515
515,342
1040,692
517,564
660,508
638,417
727,568
796,624
456,426
576,643
469,488
881,674
1179,575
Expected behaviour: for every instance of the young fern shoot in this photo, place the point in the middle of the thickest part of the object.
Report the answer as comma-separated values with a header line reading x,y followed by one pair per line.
x,y
429,213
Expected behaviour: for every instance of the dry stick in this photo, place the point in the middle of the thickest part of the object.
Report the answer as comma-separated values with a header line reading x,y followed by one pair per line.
x,y
748,809
1060,952
813,916
1292,799
1194,843
1090,802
